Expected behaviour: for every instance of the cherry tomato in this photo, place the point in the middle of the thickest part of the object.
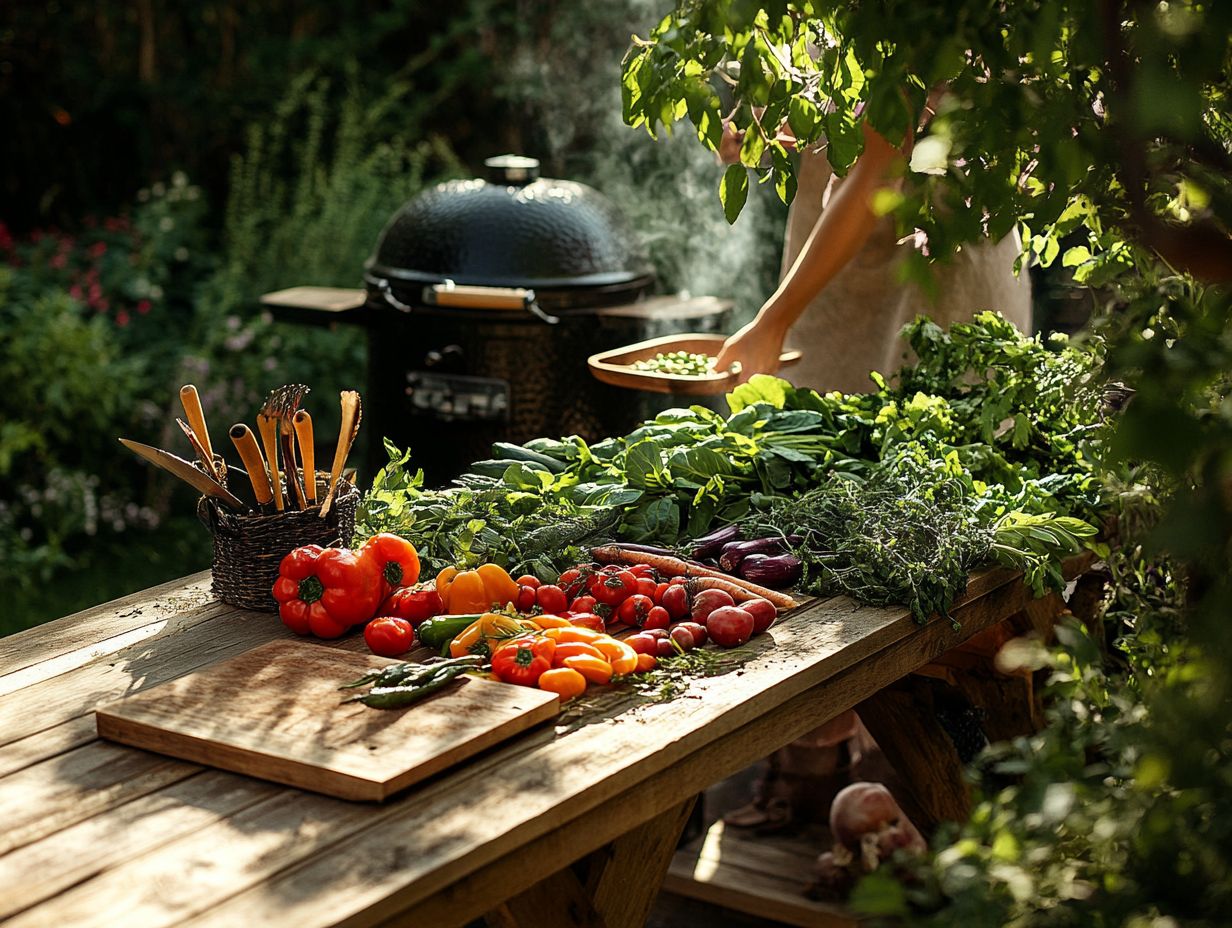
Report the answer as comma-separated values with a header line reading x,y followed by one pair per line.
x,y
635,609
646,586
572,581
583,604
612,588
528,580
589,620
678,581
551,599
642,571
389,636
657,617
564,681
414,604
526,598
676,602
660,589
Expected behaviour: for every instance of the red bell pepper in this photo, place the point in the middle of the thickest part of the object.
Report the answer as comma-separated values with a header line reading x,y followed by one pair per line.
x,y
397,558
324,591
524,661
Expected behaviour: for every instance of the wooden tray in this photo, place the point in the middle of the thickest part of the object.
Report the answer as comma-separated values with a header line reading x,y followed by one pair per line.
x,y
613,367
276,713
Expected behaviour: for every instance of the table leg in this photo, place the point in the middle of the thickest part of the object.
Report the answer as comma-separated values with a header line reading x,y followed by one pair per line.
x,y
614,887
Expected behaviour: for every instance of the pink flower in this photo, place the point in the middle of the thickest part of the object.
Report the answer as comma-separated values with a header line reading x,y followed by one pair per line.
x,y
75,291
122,317
96,292
59,260
98,249
143,306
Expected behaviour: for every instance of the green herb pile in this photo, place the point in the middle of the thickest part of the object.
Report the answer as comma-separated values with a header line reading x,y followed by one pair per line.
x,y
970,455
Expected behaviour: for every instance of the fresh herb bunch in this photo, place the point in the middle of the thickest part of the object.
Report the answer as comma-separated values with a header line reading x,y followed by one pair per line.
x,y
1011,425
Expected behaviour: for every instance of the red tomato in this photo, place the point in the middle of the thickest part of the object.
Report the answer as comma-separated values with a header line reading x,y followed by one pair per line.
x,y
584,604
613,587
588,620
551,599
414,604
642,571
526,598
657,618
389,636
677,581
635,609
572,581
529,580
647,587
660,589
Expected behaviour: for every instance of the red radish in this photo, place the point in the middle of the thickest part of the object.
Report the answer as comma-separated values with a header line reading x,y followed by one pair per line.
x,y
665,647
654,632
676,601
707,601
551,599
699,631
657,618
763,613
870,809
683,637
529,580
729,626
643,643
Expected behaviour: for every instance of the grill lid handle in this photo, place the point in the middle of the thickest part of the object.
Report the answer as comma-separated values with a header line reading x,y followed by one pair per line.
x,y
512,170
469,296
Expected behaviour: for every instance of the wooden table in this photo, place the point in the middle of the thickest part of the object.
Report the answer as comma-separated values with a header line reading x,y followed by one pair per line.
x,y
96,833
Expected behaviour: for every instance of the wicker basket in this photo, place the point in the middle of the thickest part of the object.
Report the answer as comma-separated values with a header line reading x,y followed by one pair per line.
x,y
249,548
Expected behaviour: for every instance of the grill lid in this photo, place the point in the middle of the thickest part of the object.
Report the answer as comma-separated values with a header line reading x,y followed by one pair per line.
x,y
515,230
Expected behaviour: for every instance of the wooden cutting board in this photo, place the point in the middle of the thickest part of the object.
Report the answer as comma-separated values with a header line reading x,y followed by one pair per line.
x,y
276,713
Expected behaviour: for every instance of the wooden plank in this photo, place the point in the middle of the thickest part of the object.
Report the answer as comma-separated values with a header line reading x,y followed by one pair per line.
x,y
47,797
755,875
87,628
932,787
48,703
275,712
415,860
39,870
623,876
45,744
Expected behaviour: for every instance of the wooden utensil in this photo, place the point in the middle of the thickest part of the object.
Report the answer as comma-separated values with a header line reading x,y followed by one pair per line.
x,y
185,471
268,427
275,712
307,453
615,366
199,449
246,444
281,406
352,413
191,402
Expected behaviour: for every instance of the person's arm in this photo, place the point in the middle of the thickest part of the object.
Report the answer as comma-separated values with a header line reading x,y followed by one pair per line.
x,y
841,231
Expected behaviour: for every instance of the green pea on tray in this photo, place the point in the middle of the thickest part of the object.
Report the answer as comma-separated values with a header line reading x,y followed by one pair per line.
x,y
682,363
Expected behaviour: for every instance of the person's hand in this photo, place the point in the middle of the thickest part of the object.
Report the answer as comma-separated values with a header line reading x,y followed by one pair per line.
x,y
756,348
729,144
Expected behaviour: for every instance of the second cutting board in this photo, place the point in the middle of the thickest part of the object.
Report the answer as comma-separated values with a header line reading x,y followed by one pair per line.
x,y
275,712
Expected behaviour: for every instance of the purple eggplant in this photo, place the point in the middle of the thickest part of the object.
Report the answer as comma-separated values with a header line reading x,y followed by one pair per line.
x,y
736,551
778,571
707,547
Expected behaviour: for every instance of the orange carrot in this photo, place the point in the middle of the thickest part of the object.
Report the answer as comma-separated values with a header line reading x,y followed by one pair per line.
x,y
675,567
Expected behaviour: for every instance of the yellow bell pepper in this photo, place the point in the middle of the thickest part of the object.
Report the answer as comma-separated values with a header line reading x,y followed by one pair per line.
x,y
485,587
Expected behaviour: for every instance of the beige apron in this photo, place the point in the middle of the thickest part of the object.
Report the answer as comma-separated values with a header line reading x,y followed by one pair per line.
x,y
852,327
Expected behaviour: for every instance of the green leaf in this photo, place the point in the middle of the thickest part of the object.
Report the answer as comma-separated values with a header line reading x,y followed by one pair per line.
x,y
654,520
699,464
644,466
734,190
760,388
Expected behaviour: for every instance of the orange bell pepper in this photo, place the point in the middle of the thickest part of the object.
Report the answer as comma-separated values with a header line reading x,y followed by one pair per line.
x,y
573,633
623,657
592,668
475,590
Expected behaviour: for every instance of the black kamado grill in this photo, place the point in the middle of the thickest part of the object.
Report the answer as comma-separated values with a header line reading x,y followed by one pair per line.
x,y
483,301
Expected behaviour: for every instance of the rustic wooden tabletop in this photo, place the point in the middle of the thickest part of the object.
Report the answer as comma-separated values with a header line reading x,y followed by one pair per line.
x,y
571,823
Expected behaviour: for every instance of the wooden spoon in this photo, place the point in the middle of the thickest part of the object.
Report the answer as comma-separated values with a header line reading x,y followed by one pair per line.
x,y
352,413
